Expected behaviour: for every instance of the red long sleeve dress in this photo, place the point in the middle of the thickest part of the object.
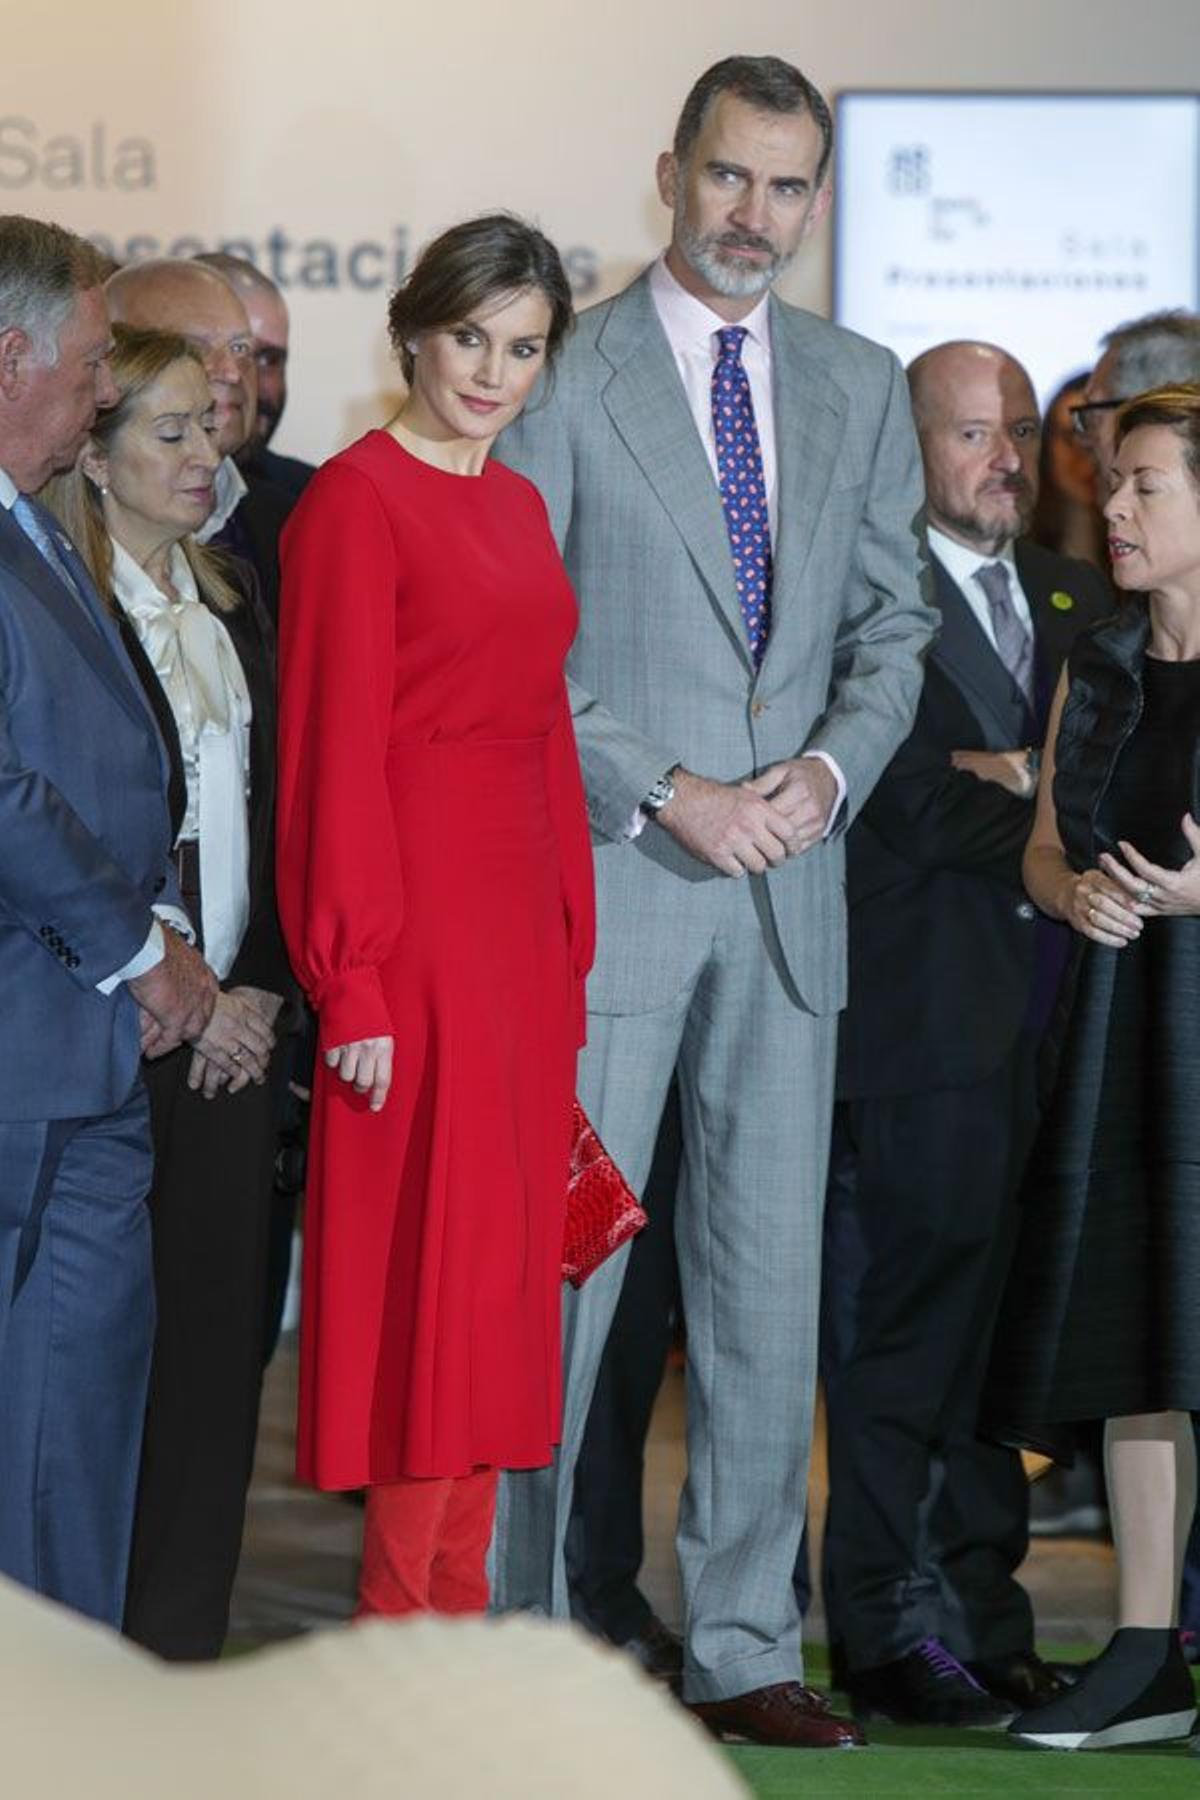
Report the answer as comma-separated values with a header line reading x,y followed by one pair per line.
x,y
435,884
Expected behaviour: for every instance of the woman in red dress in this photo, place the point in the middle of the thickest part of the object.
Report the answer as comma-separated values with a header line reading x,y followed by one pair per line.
x,y
435,886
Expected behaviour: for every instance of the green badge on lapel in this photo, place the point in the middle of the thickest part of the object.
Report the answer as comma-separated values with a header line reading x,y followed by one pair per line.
x,y
1061,602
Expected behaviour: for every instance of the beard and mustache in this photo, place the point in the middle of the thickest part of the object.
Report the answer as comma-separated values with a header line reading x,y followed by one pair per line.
x,y
736,280
983,527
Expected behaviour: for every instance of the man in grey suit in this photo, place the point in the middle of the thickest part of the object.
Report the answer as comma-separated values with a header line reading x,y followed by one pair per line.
x,y
735,485
88,975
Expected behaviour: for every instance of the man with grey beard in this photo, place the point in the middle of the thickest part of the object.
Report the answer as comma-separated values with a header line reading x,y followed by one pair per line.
x,y
736,487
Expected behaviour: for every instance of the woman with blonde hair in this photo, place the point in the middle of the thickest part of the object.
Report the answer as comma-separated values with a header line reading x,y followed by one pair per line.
x,y
202,645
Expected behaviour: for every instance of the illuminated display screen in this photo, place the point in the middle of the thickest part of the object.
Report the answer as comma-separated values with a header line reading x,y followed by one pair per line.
x,y
1035,221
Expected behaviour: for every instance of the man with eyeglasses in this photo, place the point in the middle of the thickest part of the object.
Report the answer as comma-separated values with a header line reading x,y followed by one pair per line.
x,y
1145,353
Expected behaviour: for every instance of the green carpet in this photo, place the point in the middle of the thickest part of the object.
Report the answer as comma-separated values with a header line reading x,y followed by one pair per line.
x,y
903,1761
900,1762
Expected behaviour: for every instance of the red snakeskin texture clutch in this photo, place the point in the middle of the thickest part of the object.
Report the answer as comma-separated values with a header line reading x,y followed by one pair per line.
x,y
602,1208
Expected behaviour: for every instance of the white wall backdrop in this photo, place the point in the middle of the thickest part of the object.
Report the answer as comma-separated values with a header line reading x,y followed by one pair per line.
x,y
329,140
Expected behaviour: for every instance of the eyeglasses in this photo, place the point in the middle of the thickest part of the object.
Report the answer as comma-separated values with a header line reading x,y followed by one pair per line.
x,y
1079,414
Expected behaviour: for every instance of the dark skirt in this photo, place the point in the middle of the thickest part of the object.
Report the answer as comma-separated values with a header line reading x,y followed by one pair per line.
x,y
1102,1311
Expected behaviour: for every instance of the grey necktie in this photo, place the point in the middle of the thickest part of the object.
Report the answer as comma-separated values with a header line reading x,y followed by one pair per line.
x,y
1013,641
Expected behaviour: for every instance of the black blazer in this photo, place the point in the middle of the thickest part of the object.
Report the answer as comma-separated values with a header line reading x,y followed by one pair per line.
x,y
252,533
944,945
290,473
262,960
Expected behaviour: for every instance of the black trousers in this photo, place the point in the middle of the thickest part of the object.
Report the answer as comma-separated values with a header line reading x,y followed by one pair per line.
x,y
927,1523
605,1542
210,1207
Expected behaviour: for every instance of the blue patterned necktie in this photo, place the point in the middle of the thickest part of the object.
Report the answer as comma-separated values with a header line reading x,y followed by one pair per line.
x,y
743,487
41,528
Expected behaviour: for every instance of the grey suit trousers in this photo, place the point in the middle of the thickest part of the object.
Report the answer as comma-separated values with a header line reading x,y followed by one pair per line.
x,y
756,1078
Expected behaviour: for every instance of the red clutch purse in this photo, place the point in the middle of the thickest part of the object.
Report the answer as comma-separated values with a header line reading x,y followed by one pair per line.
x,y
602,1208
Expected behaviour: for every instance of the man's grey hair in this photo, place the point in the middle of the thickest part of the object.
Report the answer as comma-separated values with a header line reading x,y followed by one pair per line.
x,y
43,269
1160,350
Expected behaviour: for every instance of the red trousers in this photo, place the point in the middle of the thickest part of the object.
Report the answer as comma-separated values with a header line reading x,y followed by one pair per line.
x,y
424,1545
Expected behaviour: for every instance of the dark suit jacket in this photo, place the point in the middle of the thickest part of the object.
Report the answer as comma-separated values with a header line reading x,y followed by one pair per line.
x,y
262,960
944,945
290,473
252,533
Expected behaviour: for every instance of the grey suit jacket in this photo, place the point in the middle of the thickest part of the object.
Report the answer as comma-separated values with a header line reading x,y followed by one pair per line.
x,y
661,671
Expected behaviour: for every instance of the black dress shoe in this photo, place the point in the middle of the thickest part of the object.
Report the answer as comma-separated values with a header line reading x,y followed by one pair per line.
x,y
1138,1692
928,1686
1021,1677
658,1650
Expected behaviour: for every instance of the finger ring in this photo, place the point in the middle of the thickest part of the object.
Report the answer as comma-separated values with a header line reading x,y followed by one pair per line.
x,y
1145,895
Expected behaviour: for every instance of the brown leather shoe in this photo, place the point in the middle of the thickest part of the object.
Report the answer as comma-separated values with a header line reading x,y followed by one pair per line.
x,y
784,1713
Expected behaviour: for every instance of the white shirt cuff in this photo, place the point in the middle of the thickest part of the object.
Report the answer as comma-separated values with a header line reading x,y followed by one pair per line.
x,y
153,950
840,797
177,919
147,958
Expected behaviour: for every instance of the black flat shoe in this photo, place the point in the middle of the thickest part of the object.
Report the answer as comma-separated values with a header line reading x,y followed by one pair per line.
x,y
1138,1692
927,1686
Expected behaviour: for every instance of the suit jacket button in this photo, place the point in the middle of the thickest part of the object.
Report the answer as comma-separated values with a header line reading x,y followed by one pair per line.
x,y
72,961
160,884
1027,910
758,708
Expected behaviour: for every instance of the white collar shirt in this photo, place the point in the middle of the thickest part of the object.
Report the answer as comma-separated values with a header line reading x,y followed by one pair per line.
x,y
229,489
963,564
205,686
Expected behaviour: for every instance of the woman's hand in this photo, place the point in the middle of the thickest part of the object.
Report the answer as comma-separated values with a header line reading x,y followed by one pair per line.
x,y
266,1003
1099,908
1156,892
366,1064
235,1047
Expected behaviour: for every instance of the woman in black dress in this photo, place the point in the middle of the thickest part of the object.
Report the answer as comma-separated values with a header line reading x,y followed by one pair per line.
x,y
1102,1315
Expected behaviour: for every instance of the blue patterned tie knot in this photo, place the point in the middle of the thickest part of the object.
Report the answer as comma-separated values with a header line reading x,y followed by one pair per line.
x,y
42,530
743,487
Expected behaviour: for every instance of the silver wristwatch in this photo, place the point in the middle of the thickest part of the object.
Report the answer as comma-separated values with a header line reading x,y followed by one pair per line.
x,y
662,791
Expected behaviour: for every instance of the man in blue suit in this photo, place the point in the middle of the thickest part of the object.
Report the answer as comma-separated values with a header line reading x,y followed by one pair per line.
x,y
88,975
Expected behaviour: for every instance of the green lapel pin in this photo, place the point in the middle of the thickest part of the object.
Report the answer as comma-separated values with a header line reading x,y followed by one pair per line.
x,y
1061,602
